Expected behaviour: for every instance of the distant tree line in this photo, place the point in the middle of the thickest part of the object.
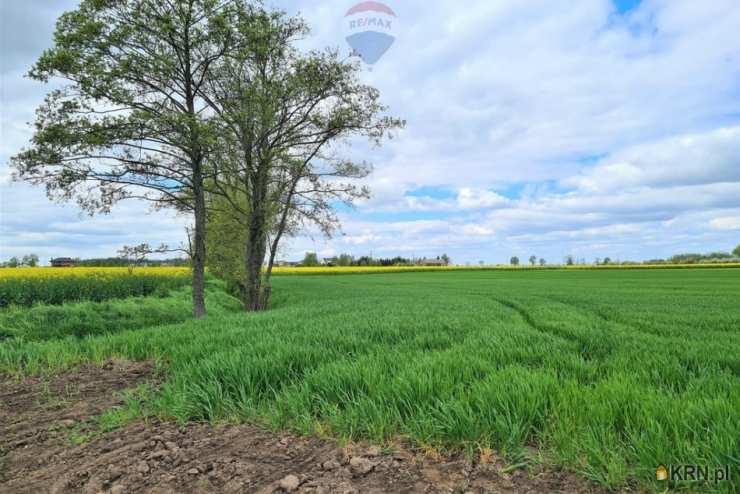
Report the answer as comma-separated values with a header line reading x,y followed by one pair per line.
x,y
712,257
311,259
116,262
30,261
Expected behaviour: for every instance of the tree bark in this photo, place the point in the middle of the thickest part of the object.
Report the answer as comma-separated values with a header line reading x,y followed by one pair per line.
x,y
255,256
199,245
199,199
256,241
267,288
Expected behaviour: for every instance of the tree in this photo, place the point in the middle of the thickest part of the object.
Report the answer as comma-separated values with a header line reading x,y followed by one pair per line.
x,y
736,252
31,260
569,260
13,262
225,246
607,261
514,261
310,259
137,254
533,260
365,261
130,123
446,259
543,262
345,260
283,117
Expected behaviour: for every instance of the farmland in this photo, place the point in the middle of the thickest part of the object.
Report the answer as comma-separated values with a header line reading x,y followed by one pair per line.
x,y
606,373
28,286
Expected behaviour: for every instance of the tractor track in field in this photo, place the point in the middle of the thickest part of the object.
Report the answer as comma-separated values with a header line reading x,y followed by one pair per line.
x,y
531,322
38,416
583,346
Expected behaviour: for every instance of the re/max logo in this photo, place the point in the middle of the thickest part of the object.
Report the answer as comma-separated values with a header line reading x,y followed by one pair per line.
x,y
370,22
694,473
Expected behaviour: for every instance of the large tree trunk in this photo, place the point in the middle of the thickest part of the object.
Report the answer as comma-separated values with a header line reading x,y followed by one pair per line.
x,y
267,282
254,257
256,242
199,246
199,198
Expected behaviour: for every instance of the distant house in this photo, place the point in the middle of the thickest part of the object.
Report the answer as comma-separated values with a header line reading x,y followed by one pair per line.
x,y
62,262
432,262
329,261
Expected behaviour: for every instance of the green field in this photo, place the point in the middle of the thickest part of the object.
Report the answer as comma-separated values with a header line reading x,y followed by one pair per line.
x,y
608,373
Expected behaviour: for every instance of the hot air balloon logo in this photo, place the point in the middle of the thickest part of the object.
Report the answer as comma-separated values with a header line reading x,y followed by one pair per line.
x,y
369,30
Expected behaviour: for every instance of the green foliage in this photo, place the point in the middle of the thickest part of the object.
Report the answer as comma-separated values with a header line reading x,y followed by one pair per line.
x,y
706,259
282,112
610,372
31,260
697,258
144,59
514,261
345,260
310,259
111,262
129,120
226,249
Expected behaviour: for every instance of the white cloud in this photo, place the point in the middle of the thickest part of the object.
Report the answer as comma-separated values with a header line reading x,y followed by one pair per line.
x,y
693,159
5,177
29,222
477,230
361,239
468,198
726,223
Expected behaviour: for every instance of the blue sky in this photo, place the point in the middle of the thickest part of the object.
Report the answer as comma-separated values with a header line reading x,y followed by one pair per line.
x,y
624,6
611,128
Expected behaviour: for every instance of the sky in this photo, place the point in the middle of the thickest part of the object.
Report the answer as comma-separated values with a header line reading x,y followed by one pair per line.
x,y
610,128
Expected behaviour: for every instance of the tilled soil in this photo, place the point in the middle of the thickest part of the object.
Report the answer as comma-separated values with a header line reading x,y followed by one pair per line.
x,y
37,418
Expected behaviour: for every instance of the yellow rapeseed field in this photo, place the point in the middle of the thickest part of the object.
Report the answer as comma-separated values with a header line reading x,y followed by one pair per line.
x,y
45,272
27,286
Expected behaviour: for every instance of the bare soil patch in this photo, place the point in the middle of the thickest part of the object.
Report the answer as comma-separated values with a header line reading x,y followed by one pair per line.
x,y
36,456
